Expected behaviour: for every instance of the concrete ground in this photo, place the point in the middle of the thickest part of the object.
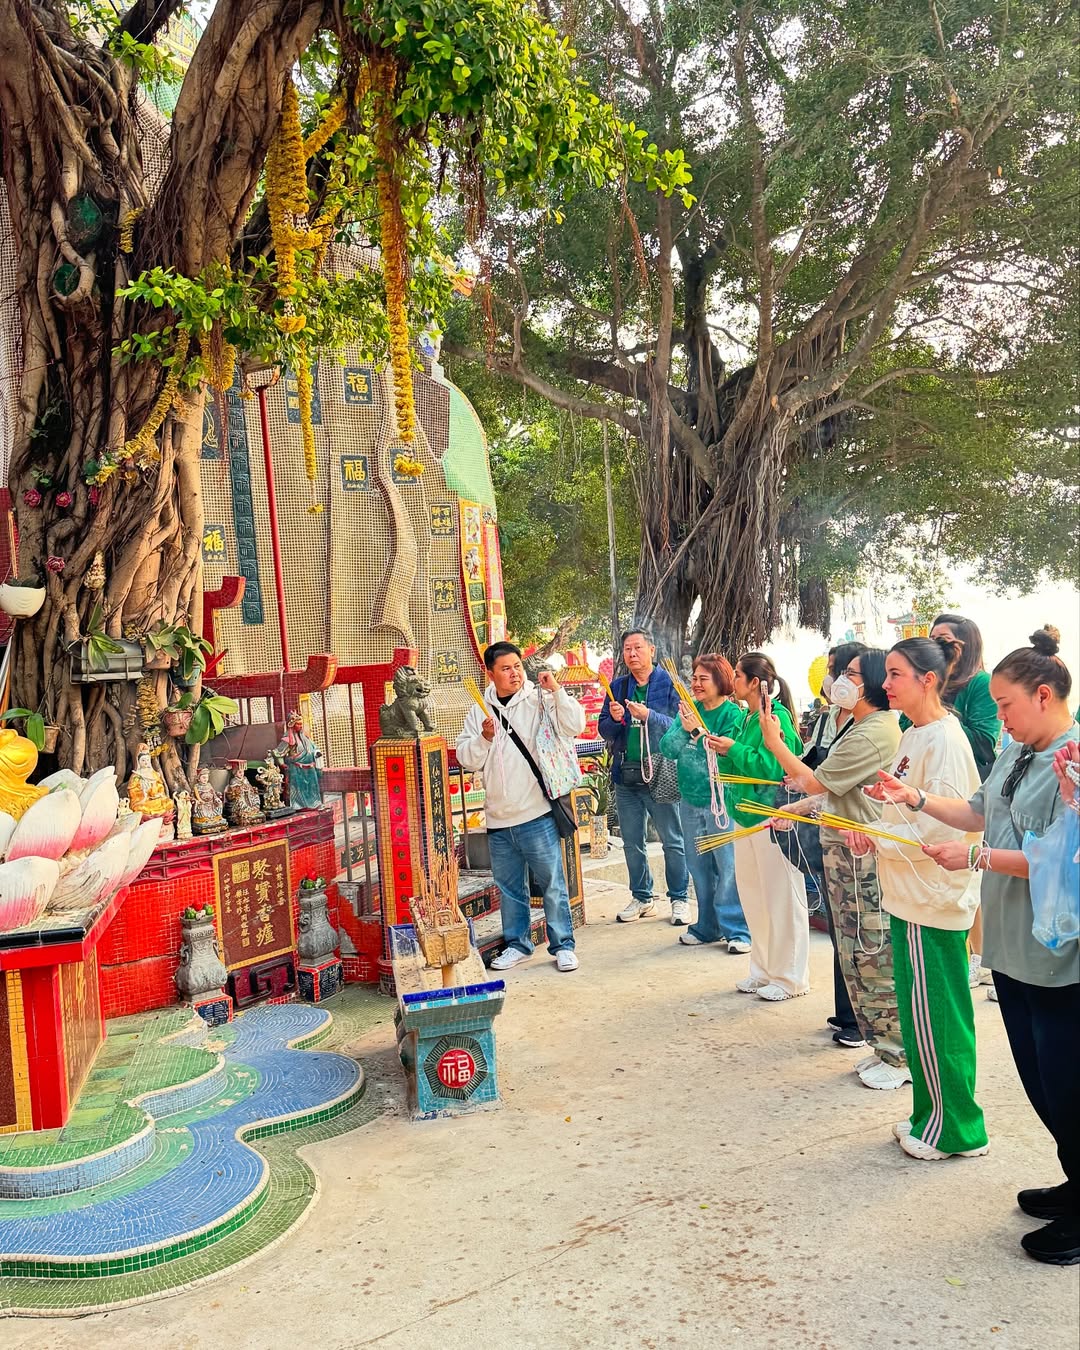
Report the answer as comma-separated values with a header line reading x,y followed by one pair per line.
x,y
675,1165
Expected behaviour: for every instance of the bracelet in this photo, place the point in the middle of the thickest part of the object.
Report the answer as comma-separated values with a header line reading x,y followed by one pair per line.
x,y
982,857
973,854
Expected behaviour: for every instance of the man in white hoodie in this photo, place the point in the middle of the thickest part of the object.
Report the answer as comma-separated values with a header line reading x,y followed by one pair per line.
x,y
521,832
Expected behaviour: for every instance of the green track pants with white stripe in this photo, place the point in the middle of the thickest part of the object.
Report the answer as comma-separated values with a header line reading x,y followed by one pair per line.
x,y
938,1024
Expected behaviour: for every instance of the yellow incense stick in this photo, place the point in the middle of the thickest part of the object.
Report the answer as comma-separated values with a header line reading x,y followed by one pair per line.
x,y
824,818
684,694
708,842
740,778
473,690
606,686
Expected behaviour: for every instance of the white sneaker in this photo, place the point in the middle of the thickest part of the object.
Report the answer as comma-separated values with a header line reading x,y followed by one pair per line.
x,y
915,1148
901,1129
737,948
636,909
512,956
884,1076
566,959
977,972
689,940
775,993
680,913
865,1063
991,994
750,985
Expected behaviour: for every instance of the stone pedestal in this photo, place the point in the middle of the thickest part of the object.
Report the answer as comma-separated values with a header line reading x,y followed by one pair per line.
x,y
319,975
315,984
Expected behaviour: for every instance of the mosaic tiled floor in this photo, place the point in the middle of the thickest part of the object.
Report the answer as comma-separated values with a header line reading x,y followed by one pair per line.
x,y
189,1198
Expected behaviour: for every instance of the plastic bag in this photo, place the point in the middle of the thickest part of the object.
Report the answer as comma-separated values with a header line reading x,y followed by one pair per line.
x,y
555,755
1054,878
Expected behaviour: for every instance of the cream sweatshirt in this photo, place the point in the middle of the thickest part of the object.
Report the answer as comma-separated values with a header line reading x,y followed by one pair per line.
x,y
512,796
936,758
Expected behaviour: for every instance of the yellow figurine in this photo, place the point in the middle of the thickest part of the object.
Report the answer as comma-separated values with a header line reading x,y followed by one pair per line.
x,y
18,760
146,789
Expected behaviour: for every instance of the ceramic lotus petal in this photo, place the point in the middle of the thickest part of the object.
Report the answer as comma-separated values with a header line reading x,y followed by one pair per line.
x,y
26,886
48,828
100,802
64,778
7,829
106,775
96,876
126,824
142,845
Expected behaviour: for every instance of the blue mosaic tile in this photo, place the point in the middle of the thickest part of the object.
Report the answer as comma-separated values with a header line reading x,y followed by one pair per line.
x,y
219,1174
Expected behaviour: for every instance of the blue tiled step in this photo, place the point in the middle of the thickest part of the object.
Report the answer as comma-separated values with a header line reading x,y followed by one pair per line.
x,y
218,1182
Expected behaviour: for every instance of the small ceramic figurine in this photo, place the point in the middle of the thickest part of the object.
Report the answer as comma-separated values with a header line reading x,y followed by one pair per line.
x,y
206,817
301,758
241,798
183,814
271,780
146,789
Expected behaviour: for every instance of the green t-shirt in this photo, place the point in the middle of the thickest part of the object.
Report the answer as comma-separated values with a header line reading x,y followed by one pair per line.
x,y
1006,901
853,763
725,719
748,757
633,731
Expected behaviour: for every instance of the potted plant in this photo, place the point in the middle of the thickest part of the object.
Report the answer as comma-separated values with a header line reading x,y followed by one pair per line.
x,y
22,597
599,785
176,718
97,657
176,645
208,717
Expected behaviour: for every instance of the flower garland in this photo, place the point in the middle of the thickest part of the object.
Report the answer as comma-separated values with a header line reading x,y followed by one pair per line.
x,y
407,467
141,447
394,280
329,126
305,393
127,228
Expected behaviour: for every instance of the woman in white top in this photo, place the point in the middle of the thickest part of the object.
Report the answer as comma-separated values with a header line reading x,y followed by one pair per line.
x,y
931,911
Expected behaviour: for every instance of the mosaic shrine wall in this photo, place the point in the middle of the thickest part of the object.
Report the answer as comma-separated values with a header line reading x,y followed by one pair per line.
x,y
389,561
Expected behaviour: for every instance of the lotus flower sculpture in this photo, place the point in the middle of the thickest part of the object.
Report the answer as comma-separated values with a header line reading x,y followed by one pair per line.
x,y
62,845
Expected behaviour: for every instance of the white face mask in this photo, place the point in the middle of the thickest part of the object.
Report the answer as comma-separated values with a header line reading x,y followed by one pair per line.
x,y
826,686
845,693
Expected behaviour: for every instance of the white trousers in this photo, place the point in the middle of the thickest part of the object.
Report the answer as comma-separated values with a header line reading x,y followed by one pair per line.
x,y
773,895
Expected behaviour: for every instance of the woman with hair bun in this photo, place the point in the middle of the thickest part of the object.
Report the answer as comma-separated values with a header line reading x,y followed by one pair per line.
x,y
1038,987
930,912
773,893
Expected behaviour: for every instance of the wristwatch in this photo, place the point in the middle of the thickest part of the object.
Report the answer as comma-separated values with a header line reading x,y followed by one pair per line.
x,y
696,734
921,802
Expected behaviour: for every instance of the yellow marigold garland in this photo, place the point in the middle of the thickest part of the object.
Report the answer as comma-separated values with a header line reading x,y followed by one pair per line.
x,y
408,467
393,263
141,447
329,126
305,393
127,228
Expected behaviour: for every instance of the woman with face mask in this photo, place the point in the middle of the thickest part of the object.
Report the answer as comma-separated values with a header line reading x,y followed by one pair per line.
x,y
867,744
930,910
1038,987
773,893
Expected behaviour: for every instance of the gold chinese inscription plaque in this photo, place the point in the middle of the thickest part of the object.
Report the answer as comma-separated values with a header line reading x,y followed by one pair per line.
x,y
254,909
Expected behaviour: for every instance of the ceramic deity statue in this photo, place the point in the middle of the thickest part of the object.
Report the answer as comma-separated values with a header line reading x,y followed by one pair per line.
x,y
183,814
241,798
146,789
300,755
206,817
271,781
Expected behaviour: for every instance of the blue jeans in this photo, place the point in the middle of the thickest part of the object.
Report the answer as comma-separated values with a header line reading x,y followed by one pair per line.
x,y
515,852
635,805
719,912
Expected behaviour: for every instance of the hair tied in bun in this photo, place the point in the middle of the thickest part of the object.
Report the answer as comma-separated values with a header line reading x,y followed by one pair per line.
x,y
1046,641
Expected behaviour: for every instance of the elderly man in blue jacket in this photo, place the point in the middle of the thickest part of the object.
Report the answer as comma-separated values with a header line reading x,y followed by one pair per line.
x,y
644,706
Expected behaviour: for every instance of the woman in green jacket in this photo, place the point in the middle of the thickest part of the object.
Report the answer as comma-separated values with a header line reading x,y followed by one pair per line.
x,y
720,917
773,893
973,705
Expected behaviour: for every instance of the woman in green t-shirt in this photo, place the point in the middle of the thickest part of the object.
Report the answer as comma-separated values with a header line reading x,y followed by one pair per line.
x,y
773,893
720,917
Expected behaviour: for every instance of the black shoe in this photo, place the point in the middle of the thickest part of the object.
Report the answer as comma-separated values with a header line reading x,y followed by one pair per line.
x,y
1058,1244
1047,1202
835,1023
850,1037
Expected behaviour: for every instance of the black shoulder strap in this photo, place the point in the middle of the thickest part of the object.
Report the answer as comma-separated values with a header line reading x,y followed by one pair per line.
x,y
523,748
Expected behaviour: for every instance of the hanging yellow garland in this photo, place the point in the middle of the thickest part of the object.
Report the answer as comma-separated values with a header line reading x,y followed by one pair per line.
x,y
127,228
305,394
394,280
331,123
142,447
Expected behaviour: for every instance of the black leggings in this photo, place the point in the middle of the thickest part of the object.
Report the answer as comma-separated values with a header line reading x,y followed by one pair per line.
x,y
1043,1026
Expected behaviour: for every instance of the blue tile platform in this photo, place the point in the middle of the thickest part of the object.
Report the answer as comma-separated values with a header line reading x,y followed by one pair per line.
x,y
194,1177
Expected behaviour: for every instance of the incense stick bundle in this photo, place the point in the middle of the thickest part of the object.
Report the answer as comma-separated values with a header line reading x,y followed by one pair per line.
x,y
740,778
827,818
473,690
684,694
605,685
707,842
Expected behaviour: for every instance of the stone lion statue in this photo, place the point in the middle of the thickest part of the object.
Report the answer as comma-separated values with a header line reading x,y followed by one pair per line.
x,y
410,714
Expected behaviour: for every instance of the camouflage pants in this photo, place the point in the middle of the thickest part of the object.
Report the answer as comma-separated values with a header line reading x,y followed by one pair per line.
x,y
864,947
